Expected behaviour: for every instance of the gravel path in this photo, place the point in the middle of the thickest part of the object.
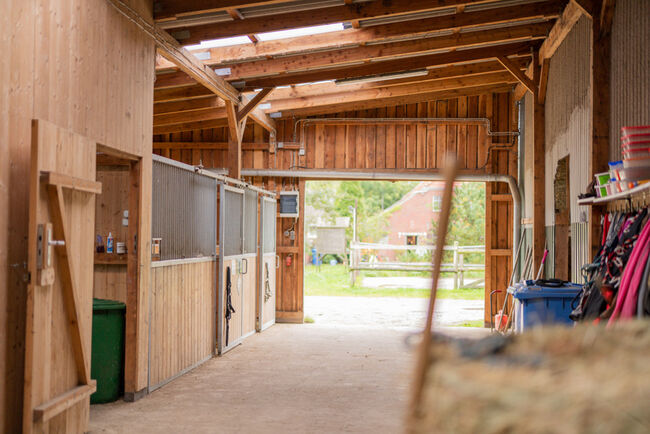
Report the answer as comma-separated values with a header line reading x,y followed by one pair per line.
x,y
389,312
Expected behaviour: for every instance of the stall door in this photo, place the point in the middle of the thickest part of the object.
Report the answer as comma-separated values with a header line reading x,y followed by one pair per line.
x,y
233,266
268,263
59,299
249,305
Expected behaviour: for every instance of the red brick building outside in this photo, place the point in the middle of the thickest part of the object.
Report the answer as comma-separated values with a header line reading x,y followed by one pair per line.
x,y
409,220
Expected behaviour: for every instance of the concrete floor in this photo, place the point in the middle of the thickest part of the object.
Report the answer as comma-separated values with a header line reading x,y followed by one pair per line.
x,y
306,378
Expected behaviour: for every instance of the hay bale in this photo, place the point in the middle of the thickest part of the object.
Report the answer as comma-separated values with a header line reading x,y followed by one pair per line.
x,y
550,380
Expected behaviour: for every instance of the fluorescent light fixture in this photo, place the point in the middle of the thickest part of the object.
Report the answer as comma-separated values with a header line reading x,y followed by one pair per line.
x,y
276,115
264,106
303,31
203,55
382,77
223,42
222,71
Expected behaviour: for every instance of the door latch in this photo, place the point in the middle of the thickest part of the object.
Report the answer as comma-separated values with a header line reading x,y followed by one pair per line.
x,y
45,275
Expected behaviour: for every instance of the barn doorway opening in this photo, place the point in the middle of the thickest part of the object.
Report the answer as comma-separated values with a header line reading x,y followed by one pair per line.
x,y
368,248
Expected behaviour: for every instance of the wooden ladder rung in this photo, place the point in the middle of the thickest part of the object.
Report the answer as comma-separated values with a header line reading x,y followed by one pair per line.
x,y
51,408
71,183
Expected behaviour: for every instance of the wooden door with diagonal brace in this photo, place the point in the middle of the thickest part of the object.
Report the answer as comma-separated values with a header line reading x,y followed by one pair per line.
x,y
60,263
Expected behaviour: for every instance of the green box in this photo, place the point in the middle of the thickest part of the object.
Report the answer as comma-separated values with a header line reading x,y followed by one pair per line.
x,y
602,178
107,357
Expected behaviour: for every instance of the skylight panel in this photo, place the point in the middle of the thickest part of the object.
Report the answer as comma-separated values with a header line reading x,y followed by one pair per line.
x,y
303,31
223,42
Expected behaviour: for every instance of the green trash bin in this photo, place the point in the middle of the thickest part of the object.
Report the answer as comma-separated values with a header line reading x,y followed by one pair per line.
x,y
107,360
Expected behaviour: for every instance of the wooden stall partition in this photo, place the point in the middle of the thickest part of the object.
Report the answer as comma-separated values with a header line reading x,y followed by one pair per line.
x,y
182,317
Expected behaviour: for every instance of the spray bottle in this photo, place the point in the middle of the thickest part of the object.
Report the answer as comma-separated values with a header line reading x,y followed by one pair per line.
x,y
109,243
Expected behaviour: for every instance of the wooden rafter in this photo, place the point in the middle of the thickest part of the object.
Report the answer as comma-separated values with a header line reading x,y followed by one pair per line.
x,y
517,73
390,66
386,50
305,18
340,105
170,9
549,9
170,49
327,94
463,70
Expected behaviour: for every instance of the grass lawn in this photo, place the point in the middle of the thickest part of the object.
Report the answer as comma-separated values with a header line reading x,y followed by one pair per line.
x,y
335,281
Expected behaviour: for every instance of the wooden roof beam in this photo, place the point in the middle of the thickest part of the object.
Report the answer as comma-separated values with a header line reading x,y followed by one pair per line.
x,y
354,37
385,50
306,18
343,106
548,9
170,9
342,95
390,66
569,17
462,70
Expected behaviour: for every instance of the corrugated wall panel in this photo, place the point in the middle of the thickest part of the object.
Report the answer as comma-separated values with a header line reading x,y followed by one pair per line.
x,y
568,116
630,74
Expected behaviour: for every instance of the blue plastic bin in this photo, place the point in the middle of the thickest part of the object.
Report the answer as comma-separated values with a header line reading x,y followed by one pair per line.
x,y
536,305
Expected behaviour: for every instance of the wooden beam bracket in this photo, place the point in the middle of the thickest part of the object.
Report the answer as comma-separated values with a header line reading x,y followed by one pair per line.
x,y
517,73
70,182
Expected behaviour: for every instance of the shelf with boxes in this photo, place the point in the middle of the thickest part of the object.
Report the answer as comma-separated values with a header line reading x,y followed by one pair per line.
x,y
628,179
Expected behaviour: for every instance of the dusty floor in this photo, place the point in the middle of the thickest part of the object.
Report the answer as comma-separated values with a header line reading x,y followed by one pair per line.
x,y
396,313
290,379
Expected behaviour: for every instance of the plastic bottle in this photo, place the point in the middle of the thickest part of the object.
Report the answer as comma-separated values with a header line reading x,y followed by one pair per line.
x,y
109,243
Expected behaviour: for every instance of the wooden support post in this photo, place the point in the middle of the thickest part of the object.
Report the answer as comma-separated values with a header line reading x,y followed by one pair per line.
x,y
235,135
600,88
539,192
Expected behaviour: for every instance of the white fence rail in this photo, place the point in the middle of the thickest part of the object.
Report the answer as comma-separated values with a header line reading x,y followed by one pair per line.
x,y
458,266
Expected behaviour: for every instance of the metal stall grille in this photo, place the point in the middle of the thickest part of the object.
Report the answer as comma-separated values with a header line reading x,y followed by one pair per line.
x,y
250,221
268,225
233,217
183,211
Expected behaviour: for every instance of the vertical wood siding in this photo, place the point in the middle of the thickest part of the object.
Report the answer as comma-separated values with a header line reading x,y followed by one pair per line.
x,y
182,320
58,66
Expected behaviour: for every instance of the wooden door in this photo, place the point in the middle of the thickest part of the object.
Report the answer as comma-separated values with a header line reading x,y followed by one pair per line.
x,y
59,299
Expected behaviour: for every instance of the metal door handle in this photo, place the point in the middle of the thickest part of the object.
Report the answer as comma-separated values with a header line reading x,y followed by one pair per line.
x,y
245,261
277,261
